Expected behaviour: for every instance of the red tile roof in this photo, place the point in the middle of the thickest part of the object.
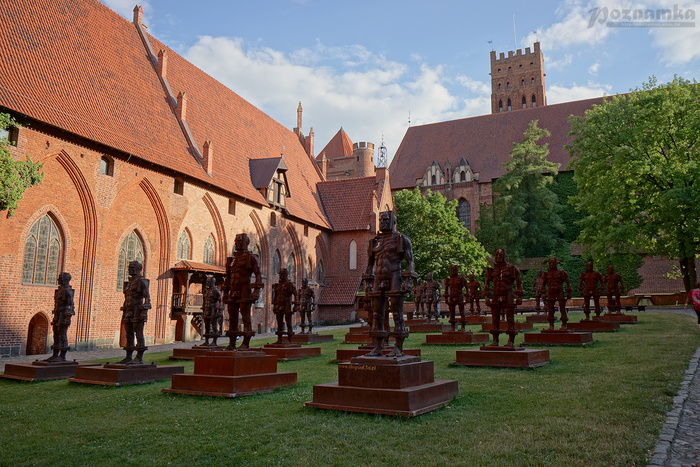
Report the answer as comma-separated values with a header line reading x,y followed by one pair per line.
x,y
186,265
340,145
348,202
484,142
340,291
79,66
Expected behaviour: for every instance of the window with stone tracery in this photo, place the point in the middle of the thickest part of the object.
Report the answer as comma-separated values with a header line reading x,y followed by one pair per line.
x,y
131,250
43,250
209,250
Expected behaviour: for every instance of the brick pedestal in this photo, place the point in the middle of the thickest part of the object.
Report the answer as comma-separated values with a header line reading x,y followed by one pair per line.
x,y
403,386
232,374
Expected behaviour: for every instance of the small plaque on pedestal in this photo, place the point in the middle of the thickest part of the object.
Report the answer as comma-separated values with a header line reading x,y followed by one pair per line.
x,y
594,325
504,326
311,338
403,386
619,318
456,337
291,351
502,357
345,355
232,374
120,374
41,370
558,337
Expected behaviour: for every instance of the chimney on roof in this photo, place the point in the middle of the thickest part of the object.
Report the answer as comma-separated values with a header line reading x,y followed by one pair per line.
x,y
309,143
299,110
162,67
138,14
208,156
181,106
323,164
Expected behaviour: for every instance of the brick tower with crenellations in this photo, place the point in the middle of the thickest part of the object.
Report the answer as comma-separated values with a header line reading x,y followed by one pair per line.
x,y
517,81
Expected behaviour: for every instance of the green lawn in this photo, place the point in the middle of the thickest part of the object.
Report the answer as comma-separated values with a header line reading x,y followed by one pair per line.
x,y
602,404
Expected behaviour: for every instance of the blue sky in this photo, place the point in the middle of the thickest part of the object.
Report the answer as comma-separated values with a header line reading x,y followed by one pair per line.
x,y
367,66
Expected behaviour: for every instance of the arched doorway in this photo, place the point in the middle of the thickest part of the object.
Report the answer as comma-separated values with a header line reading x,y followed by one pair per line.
x,y
36,335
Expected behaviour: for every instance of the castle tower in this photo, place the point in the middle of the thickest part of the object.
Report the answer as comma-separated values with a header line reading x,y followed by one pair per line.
x,y
517,81
364,159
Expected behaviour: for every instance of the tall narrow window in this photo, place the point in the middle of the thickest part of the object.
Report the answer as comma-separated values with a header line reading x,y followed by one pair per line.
x,y
463,176
309,270
290,267
433,180
319,271
509,105
183,246
464,213
500,106
106,166
276,262
42,253
131,250
524,102
534,101
353,255
209,250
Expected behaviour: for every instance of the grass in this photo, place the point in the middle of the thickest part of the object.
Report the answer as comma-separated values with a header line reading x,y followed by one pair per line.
x,y
602,404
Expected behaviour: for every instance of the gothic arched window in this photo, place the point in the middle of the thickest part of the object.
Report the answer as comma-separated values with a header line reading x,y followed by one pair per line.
x,y
500,106
290,267
43,250
319,271
209,250
353,255
183,246
463,176
276,262
534,101
524,102
464,213
509,106
131,250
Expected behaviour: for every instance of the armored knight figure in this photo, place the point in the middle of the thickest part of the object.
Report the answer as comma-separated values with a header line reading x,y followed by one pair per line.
x,y
417,299
593,281
137,302
454,297
474,295
63,310
211,312
612,290
431,293
507,293
536,287
282,294
239,292
384,255
553,283
307,306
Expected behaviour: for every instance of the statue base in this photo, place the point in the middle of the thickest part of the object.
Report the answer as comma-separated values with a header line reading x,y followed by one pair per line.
x,y
504,326
345,355
120,374
619,318
42,370
429,327
291,351
358,335
478,319
558,337
311,338
414,322
364,329
456,337
401,386
593,325
502,357
232,374
536,318
195,351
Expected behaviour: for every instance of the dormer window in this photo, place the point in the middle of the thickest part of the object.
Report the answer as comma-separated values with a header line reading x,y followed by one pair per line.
x,y
270,177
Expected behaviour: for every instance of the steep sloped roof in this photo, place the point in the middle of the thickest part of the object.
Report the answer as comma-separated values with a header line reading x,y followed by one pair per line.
x,y
77,65
340,145
348,202
340,291
484,141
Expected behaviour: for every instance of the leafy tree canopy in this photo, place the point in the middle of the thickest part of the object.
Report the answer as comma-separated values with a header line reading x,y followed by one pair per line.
x,y
15,176
524,217
439,240
637,167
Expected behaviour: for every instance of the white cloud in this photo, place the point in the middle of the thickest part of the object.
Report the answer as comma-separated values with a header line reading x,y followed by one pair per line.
x,y
560,64
678,45
593,69
557,94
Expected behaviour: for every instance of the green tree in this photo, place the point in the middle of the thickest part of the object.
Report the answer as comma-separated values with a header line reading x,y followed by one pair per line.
x,y
439,240
637,167
524,217
15,176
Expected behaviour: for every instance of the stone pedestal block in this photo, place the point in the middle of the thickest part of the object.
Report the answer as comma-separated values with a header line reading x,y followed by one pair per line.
x,y
478,319
536,318
311,338
414,322
345,355
504,326
429,327
490,356
118,374
456,337
42,371
558,338
619,318
291,351
594,326
189,354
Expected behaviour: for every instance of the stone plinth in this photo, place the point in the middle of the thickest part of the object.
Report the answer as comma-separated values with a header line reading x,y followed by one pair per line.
x,y
490,356
428,327
478,319
291,351
403,386
345,355
119,374
504,326
414,322
456,337
357,339
536,318
196,351
619,318
311,338
547,337
42,370
592,325
364,329
232,374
